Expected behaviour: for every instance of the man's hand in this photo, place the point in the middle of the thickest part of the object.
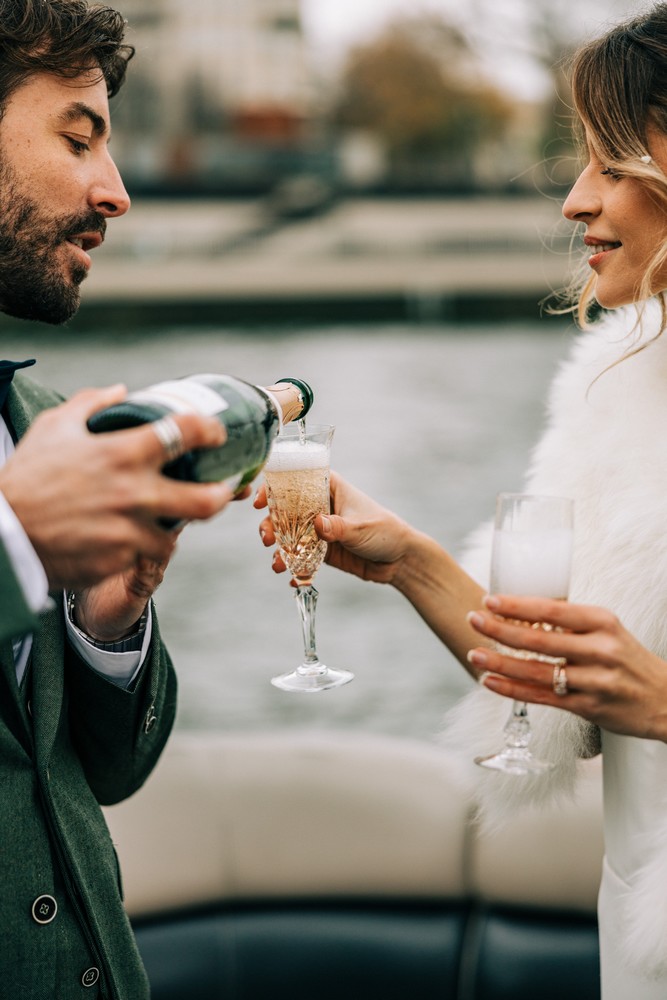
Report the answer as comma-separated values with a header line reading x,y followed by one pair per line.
x,y
91,503
109,610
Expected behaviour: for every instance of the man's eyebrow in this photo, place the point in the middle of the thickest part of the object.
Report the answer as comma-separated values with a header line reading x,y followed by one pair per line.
x,y
77,110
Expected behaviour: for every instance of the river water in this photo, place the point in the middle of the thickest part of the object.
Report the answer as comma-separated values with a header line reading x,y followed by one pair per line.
x,y
432,421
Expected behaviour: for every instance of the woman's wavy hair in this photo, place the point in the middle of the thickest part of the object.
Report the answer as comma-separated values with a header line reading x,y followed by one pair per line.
x,y
65,37
619,86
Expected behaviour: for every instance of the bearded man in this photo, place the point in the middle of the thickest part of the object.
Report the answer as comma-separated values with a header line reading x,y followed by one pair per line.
x,y
87,690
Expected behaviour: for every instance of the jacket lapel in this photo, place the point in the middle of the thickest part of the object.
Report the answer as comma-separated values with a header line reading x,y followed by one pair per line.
x,y
21,409
13,716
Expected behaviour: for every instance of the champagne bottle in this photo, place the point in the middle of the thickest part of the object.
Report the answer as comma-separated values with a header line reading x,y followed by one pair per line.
x,y
251,414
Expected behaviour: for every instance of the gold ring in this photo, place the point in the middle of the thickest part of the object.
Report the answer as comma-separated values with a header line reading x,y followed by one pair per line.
x,y
169,435
559,681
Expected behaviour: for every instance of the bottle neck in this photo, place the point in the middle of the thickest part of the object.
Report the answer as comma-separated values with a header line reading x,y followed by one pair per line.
x,y
289,400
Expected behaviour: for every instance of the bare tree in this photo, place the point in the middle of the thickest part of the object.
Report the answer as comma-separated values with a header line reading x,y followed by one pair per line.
x,y
420,89
543,33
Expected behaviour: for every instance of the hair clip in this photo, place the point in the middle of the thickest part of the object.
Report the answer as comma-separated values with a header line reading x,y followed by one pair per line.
x,y
646,159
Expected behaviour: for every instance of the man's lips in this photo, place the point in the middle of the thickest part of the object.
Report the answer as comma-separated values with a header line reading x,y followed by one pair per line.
x,y
85,242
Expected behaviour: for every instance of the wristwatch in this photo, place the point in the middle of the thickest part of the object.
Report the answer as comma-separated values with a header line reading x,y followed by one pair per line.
x,y
129,644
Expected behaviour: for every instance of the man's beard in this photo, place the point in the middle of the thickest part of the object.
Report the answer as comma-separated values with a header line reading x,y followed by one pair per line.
x,y
33,284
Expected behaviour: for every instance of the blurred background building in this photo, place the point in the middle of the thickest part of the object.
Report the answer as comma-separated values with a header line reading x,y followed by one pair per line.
x,y
220,98
230,98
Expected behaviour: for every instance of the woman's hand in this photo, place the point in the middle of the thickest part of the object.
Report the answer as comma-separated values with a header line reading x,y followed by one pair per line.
x,y
368,541
364,538
611,679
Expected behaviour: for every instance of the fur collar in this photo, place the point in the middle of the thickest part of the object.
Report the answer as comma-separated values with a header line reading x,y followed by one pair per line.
x,y
603,446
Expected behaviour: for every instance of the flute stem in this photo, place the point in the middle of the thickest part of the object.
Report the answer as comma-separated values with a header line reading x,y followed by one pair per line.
x,y
517,728
311,676
306,602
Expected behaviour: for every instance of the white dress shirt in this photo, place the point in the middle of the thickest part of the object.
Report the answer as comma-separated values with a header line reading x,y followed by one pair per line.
x,y
120,668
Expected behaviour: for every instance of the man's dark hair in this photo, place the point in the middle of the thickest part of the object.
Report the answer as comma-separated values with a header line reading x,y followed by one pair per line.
x,y
65,37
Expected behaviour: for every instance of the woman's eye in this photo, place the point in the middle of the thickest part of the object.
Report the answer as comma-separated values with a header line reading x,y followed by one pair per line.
x,y
610,172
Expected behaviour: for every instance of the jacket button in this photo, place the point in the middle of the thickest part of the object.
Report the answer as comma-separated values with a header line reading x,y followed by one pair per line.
x,y
44,909
90,977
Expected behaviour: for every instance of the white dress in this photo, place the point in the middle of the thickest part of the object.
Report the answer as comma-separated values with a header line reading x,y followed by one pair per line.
x,y
605,445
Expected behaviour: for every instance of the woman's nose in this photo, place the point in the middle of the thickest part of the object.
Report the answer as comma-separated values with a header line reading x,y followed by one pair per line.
x,y
583,201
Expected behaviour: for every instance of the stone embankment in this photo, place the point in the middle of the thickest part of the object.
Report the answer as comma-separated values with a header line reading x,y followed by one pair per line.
x,y
419,258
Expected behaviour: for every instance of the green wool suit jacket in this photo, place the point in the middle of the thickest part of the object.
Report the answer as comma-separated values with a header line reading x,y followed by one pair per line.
x,y
70,740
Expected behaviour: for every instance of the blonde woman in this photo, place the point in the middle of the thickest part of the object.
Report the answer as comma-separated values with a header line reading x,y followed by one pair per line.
x,y
605,445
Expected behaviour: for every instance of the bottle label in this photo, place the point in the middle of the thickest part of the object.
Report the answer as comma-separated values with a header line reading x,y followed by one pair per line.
x,y
182,396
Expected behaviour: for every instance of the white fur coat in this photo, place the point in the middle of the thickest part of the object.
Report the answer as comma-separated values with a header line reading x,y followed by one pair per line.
x,y
605,445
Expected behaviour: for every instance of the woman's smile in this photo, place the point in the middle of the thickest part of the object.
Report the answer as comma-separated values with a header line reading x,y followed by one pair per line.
x,y
624,227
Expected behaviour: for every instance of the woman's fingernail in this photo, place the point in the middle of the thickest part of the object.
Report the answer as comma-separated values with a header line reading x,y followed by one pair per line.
x,y
326,524
478,658
475,619
491,602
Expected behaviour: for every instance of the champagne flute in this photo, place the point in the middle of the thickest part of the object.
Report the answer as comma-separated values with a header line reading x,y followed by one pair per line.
x,y
532,555
297,490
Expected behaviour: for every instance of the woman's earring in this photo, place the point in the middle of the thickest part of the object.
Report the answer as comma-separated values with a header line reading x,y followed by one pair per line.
x,y
645,159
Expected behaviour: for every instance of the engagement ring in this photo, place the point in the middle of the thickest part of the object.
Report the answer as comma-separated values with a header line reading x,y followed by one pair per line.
x,y
559,682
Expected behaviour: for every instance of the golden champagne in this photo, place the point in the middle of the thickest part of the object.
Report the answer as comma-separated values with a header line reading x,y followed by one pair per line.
x,y
295,498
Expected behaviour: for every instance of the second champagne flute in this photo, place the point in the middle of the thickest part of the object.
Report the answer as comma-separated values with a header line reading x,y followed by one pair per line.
x,y
531,555
297,490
